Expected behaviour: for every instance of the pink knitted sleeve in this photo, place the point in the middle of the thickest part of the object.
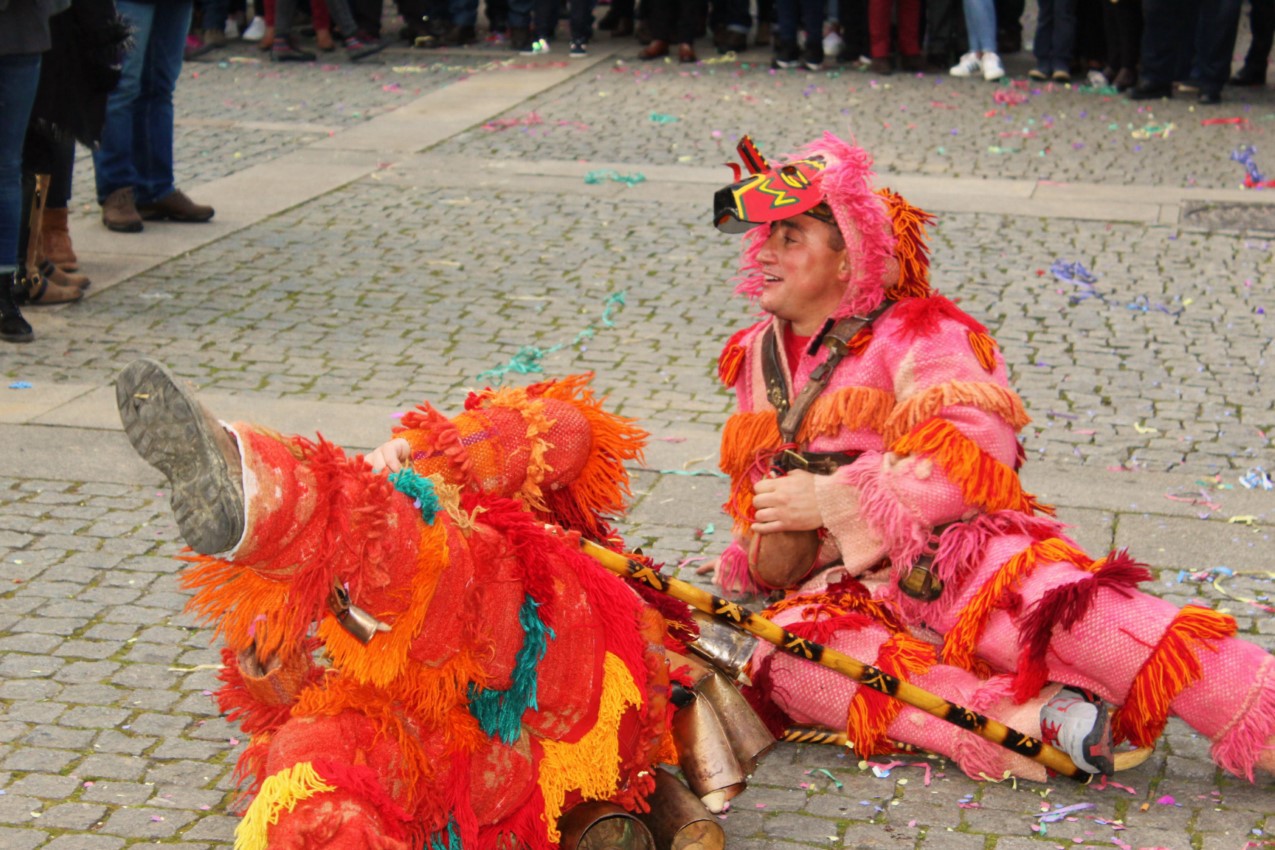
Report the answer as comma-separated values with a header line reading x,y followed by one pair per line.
x,y
886,503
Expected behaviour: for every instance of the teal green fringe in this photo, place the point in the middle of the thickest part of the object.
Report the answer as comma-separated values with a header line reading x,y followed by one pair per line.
x,y
499,713
421,489
436,841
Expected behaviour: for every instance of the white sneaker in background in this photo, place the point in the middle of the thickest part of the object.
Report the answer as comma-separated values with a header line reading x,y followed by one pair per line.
x,y
967,67
992,68
256,30
832,43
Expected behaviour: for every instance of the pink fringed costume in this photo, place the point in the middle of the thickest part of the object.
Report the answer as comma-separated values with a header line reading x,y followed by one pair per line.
x,y
516,678
922,407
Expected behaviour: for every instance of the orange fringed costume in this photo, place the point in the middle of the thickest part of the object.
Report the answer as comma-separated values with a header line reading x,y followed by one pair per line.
x,y
517,677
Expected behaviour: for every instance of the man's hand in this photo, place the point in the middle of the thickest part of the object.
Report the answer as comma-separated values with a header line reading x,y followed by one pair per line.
x,y
786,504
390,456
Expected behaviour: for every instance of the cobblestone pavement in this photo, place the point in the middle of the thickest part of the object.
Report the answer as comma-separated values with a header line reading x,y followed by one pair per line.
x,y
421,279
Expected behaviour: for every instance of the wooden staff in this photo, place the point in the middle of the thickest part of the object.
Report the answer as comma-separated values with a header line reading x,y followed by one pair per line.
x,y
865,674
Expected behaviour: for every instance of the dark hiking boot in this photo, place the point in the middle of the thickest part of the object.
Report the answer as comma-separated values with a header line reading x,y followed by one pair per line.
x,y
174,433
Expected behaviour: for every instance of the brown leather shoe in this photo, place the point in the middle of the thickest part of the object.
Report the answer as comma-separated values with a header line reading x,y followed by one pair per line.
x,y
175,206
119,212
56,238
41,290
654,50
686,54
49,271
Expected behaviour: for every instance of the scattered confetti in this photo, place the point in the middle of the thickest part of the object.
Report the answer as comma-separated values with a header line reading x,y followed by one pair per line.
x,y
1256,479
529,357
610,174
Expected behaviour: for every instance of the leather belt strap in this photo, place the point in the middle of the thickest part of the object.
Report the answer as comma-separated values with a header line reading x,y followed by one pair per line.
x,y
837,340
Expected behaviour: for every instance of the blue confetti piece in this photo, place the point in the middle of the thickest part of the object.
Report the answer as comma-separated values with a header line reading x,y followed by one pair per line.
x,y
20,385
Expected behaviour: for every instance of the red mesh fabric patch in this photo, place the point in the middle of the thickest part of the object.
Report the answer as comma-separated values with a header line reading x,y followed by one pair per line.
x,y
501,779
570,440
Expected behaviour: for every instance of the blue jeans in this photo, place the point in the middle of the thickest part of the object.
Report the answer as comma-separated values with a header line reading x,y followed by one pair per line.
x,y
19,78
794,15
215,13
137,140
980,21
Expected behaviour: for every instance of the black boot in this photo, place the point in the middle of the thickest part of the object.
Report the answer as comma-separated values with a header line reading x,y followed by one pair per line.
x,y
13,328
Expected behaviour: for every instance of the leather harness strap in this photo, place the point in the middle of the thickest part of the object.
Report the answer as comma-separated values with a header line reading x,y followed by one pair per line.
x,y
837,340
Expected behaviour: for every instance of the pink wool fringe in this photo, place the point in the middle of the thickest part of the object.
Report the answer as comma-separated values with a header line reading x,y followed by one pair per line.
x,y
905,535
1239,748
732,573
978,757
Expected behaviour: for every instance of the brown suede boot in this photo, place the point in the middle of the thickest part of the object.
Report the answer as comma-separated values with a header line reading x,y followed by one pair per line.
x,y
56,245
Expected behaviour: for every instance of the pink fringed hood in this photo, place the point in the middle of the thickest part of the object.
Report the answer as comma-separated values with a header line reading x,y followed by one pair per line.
x,y
884,235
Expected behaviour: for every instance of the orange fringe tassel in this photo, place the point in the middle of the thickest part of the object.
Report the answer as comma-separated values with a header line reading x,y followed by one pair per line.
x,y
602,487
961,641
926,405
748,437
1173,666
910,250
244,606
729,363
871,712
984,349
984,481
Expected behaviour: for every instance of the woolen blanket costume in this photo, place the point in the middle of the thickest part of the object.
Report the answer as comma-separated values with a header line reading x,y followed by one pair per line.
x,y
922,416
510,677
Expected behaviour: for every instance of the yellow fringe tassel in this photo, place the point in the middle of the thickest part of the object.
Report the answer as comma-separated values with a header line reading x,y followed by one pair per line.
x,y
961,641
1173,665
984,480
590,766
927,404
280,792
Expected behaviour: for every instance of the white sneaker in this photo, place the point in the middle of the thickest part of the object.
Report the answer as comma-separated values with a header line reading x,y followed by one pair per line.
x,y
1079,724
967,67
256,30
832,43
993,70
232,29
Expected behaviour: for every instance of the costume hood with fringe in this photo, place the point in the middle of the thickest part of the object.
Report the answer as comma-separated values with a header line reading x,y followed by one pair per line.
x,y
884,234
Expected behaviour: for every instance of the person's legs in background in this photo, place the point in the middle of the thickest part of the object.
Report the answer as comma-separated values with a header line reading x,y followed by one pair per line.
x,y
1009,25
114,169
1261,19
55,157
1214,45
152,143
19,77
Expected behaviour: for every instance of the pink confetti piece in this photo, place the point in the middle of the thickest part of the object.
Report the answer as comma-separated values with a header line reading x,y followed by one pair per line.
x,y
1166,800
234,742
157,818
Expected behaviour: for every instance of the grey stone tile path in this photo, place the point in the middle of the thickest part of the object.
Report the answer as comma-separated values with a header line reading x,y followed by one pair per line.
x,y
399,229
